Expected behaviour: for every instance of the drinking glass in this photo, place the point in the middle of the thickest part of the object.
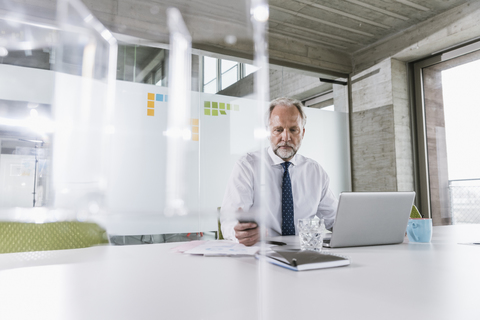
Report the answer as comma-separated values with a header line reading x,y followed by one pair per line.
x,y
310,233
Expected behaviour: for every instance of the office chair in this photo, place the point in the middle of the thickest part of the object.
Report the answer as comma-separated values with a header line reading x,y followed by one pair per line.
x,y
23,237
220,235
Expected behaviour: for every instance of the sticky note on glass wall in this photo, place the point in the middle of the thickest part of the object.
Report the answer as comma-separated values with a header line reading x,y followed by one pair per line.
x,y
150,112
214,112
151,104
207,112
151,96
206,104
215,105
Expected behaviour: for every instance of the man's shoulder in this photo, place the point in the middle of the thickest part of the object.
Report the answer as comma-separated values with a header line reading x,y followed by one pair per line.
x,y
302,160
250,158
308,163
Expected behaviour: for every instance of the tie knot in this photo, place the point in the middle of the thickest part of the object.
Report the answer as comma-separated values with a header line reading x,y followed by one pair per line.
x,y
285,165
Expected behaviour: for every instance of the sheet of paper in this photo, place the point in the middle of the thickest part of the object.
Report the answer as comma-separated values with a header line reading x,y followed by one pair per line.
x,y
223,248
188,245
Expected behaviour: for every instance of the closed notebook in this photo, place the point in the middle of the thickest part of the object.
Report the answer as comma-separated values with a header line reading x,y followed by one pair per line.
x,y
304,260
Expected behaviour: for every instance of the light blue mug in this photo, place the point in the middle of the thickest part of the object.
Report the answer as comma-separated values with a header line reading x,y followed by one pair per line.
x,y
419,230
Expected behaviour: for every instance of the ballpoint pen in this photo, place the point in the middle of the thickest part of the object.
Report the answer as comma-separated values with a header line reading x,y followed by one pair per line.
x,y
278,243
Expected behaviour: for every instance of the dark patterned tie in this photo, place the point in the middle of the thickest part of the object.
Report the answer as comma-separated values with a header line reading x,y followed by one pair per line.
x,y
288,225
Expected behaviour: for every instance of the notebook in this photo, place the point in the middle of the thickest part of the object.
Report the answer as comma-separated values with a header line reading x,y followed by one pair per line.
x,y
303,260
371,218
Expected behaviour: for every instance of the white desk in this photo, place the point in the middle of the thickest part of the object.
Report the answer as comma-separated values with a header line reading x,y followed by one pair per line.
x,y
151,282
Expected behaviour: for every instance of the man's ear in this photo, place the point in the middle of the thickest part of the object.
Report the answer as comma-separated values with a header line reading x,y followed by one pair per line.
x,y
303,133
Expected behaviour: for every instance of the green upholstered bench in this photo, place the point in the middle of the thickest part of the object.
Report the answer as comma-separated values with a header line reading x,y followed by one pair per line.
x,y
23,237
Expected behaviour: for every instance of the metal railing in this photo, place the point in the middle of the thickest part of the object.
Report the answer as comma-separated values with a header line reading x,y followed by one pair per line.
x,y
464,200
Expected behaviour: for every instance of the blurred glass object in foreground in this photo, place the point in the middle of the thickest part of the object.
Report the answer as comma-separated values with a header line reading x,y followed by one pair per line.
x,y
57,72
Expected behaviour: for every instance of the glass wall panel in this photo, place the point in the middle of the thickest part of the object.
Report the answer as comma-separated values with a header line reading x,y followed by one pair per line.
x,y
451,109
210,87
229,77
249,69
209,69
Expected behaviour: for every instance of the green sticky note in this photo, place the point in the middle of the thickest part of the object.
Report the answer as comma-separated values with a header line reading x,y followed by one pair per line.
x,y
207,104
223,112
214,112
236,107
228,106
215,105
207,112
222,106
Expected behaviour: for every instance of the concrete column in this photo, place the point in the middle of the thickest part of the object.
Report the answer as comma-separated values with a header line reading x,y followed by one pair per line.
x,y
381,139
402,126
340,98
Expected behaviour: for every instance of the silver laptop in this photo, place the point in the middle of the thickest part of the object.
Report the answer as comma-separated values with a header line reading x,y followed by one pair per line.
x,y
371,218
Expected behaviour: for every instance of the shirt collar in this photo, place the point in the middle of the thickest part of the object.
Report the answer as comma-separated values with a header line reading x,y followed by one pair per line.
x,y
277,160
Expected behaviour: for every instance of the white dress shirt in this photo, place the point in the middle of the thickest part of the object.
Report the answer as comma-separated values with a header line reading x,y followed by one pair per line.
x,y
310,188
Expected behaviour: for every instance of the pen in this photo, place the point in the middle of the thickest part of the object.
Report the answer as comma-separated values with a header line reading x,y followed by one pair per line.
x,y
278,243
294,262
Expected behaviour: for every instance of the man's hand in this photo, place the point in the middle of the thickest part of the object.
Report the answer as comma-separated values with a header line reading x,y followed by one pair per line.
x,y
247,233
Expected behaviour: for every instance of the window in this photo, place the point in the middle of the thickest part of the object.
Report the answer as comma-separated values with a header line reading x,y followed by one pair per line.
x,y
210,75
447,128
219,74
229,73
249,69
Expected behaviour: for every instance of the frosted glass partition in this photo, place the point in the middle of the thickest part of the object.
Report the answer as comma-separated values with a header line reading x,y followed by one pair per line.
x,y
326,141
222,132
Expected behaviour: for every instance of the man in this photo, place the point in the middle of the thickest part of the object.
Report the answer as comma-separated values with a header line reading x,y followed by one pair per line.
x,y
296,187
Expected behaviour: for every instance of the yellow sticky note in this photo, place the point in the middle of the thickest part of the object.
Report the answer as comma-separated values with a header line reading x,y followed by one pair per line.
x,y
151,104
195,129
150,112
195,137
194,122
207,112
151,96
214,112
215,105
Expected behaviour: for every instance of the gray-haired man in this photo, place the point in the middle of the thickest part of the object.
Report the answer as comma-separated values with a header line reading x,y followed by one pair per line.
x,y
297,187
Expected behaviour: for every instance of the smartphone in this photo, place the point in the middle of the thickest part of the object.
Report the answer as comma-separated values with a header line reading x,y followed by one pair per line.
x,y
246,217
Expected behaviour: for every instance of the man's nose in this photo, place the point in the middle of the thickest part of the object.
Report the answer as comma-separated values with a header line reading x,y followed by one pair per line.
x,y
285,135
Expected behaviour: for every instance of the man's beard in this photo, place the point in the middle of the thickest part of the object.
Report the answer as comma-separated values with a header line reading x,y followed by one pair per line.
x,y
288,153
